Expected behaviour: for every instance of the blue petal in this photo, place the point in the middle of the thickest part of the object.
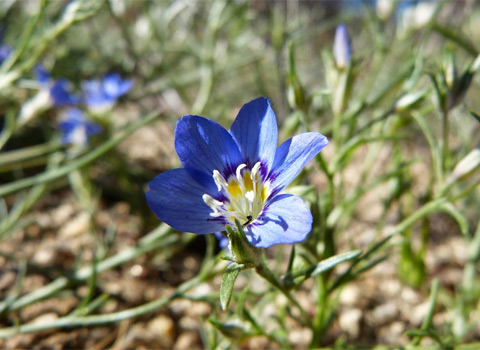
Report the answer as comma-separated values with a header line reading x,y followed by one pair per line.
x,y
286,220
255,131
292,155
176,198
204,145
222,240
61,95
41,74
93,93
114,86
5,51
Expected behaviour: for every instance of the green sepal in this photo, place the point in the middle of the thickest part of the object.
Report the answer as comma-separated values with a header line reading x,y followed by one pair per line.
x,y
242,251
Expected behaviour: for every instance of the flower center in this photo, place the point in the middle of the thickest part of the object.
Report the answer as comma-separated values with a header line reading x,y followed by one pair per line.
x,y
245,193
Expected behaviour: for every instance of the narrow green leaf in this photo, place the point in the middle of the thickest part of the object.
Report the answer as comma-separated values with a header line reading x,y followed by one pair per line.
x,y
235,330
228,281
333,261
475,115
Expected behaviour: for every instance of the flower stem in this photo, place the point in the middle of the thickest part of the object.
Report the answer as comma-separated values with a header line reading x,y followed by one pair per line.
x,y
263,270
445,144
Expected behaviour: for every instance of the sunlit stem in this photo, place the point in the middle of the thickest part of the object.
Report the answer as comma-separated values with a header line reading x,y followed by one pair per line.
x,y
445,143
263,270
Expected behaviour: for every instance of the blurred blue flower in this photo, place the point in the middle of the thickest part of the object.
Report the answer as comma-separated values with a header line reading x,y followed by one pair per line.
x,y
102,94
5,51
76,128
59,90
222,240
52,93
236,175
342,48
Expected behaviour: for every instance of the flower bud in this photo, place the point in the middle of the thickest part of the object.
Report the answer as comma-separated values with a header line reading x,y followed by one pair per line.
x,y
342,48
450,71
417,16
385,8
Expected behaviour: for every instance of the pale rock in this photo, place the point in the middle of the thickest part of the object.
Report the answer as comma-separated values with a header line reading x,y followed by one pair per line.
x,y
410,295
300,337
350,295
77,226
419,312
349,321
187,341
61,214
163,328
44,257
384,314
45,318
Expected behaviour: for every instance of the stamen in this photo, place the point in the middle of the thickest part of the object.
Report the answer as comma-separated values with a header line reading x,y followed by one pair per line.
x,y
219,180
211,202
245,193
239,174
255,169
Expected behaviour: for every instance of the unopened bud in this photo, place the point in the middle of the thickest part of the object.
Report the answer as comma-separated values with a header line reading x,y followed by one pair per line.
x,y
385,8
417,16
450,71
424,12
342,48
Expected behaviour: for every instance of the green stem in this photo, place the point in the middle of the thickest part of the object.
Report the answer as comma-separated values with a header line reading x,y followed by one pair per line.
x,y
263,270
470,270
445,144
321,310
427,323
20,155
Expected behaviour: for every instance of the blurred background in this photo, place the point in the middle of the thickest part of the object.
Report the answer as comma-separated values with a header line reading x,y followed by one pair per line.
x,y
90,92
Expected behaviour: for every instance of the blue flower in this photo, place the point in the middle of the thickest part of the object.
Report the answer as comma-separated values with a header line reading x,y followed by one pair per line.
x,y
236,175
52,93
76,129
58,90
5,51
102,94
222,240
342,48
